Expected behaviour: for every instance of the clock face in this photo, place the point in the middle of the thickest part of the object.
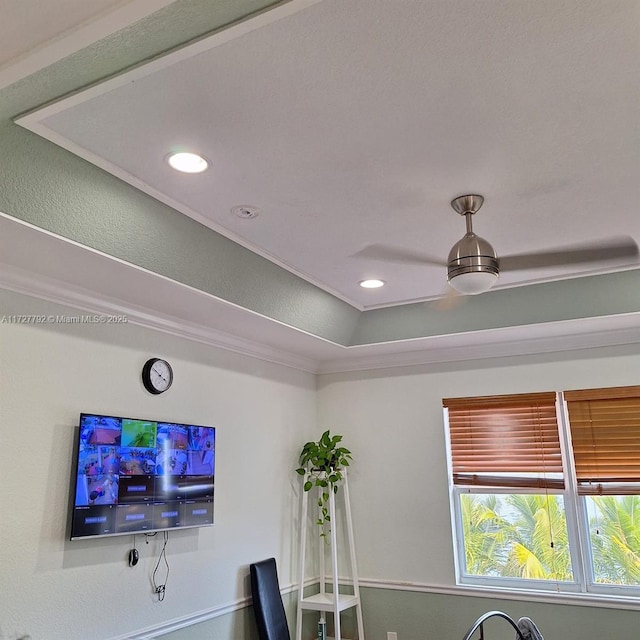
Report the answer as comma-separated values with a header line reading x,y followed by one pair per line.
x,y
157,375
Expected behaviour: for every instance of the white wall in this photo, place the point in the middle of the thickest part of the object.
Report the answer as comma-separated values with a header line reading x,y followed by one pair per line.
x,y
52,588
392,420
55,589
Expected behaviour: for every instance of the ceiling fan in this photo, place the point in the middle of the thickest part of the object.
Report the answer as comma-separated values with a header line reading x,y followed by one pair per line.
x,y
473,265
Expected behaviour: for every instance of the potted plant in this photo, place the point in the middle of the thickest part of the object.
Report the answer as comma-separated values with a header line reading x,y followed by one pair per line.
x,y
322,464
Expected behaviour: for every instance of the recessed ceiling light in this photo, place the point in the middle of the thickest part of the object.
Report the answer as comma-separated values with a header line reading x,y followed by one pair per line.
x,y
187,162
372,284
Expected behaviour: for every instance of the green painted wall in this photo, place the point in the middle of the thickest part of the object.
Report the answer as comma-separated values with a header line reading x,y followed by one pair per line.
x,y
587,297
415,615
240,625
430,616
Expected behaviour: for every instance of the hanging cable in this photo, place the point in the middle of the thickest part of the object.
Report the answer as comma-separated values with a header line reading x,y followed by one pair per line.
x,y
541,444
553,558
596,505
160,589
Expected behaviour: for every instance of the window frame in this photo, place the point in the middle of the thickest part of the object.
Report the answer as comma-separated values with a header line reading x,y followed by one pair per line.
x,y
467,579
577,522
579,506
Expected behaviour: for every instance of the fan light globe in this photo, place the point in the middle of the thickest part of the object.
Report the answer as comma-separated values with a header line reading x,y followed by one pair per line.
x,y
473,282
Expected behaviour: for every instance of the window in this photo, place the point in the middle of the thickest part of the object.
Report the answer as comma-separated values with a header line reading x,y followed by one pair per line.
x,y
605,432
545,490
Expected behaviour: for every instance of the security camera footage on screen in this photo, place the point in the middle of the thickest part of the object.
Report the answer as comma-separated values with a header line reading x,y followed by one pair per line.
x,y
140,476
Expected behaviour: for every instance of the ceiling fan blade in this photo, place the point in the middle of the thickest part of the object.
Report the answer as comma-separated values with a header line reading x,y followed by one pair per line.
x,y
609,249
389,253
450,300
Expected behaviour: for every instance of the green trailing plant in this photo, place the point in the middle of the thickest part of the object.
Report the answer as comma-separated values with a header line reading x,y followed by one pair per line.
x,y
322,464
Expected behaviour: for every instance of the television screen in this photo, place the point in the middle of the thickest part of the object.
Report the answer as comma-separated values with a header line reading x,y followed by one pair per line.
x,y
141,476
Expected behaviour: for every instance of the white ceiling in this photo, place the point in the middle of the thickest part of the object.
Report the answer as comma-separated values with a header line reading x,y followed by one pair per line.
x,y
352,125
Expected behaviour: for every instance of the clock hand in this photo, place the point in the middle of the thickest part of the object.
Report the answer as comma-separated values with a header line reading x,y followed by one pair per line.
x,y
158,373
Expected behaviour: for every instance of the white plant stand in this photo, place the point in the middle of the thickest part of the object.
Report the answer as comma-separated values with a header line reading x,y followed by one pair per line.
x,y
332,600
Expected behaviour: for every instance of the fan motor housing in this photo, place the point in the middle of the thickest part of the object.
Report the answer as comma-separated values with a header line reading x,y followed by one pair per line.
x,y
472,254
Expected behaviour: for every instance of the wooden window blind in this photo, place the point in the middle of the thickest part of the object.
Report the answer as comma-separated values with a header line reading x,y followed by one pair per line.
x,y
505,441
605,434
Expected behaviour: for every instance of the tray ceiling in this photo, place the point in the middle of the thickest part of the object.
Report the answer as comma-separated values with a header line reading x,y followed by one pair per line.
x,y
352,125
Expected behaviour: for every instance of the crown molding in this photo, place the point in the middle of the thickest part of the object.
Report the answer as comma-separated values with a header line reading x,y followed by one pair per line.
x,y
62,271
528,340
37,286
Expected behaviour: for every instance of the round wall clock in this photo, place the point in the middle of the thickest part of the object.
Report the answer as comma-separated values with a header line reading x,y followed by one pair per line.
x,y
157,375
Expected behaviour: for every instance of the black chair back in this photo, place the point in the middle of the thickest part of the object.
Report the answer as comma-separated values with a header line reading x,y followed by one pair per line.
x,y
267,601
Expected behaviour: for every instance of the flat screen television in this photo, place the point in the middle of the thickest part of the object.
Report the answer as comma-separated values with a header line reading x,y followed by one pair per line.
x,y
141,476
